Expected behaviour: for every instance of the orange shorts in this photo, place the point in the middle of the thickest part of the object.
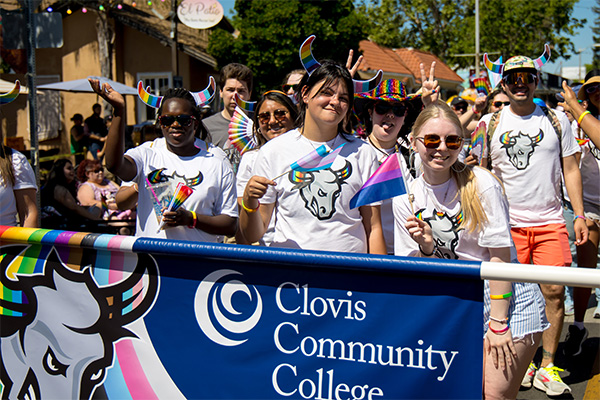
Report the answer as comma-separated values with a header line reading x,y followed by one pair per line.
x,y
543,245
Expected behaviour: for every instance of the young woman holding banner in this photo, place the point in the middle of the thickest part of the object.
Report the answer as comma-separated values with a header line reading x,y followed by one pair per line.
x,y
311,208
211,209
460,212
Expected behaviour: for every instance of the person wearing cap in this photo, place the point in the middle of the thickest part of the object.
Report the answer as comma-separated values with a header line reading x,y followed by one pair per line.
x,y
525,152
459,105
587,254
387,113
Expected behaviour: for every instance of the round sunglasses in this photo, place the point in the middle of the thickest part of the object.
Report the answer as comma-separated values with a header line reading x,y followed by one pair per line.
x,y
265,117
183,120
433,141
383,108
591,88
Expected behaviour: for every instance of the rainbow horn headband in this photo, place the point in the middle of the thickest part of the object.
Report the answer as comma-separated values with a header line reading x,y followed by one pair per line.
x,y
310,64
498,66
11,95
247,106
202,98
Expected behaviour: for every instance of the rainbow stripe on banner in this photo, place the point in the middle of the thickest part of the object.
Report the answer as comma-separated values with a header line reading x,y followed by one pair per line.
x,y
320,158
385,183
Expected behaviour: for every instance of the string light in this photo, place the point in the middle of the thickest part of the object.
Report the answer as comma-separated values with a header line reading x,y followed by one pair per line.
x,y
101,8
119,6
84,10
49,9
134,4
149,2
69,11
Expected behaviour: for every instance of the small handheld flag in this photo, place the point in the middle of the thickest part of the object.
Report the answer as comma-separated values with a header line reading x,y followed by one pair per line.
x,y
182,192
320,158
482,85
385,183
479,142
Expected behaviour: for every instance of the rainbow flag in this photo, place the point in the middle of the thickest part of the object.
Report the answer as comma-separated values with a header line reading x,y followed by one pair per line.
x,y
182,192
582,142
385,183
320,158
479,142
482,85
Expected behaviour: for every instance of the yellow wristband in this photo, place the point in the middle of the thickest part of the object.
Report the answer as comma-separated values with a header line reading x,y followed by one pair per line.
x,y
250,210
193,225
581,117
500,296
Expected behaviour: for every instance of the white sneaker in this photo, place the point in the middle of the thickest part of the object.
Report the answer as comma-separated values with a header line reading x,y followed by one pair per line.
x,y
547,380
529,375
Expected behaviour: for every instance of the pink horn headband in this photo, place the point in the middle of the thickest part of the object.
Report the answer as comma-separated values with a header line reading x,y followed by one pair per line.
x,y
203,97
310,64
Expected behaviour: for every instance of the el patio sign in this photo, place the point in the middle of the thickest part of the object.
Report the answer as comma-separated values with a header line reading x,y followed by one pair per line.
x,y
200,14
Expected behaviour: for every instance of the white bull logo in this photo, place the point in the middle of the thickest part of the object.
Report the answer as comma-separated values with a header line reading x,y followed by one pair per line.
x,y
519,148
320,189
57,328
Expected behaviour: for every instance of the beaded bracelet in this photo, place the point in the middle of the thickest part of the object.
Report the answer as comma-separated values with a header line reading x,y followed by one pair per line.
x,y
426,254
500,321
581,117
193,225
580,216
500,331
250,210
500,296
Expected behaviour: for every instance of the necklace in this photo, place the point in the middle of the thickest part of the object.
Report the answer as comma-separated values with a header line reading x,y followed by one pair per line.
x,y
331,146
386,154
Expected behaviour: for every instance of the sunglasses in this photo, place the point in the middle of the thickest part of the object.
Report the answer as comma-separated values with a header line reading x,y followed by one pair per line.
x,y
433,141
286,88
499,104
462,107
591,89
95,170
265,117
525,77
183,120
383,108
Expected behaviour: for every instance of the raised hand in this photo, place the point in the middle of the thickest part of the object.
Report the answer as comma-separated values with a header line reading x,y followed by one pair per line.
x,y
430,88
353,68
105,91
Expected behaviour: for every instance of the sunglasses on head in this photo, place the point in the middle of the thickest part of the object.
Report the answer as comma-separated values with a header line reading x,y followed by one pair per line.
x,y
183,120
591,88
383,108
499,104
525,77
286,88
265,117
433,141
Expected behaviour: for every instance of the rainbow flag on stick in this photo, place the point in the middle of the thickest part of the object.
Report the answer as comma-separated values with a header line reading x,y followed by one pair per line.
x,y
482,85
320,158
182,192
385,183
479,142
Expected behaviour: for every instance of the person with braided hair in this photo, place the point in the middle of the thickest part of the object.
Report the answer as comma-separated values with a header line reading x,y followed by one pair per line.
x,y
211,209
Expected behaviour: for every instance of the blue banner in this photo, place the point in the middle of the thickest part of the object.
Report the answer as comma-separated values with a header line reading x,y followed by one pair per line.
x,y
141,318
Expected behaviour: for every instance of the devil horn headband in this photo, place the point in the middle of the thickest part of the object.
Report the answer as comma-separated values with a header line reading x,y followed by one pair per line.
x,y
310,64
247,106
498,66
11,95
201,98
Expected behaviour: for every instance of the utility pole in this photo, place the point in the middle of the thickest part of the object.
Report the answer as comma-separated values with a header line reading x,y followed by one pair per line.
x,y
477,38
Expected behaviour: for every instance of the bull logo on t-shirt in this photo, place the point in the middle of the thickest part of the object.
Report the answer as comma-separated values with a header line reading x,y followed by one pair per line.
x,y
445,230
320,189
159,176
519,148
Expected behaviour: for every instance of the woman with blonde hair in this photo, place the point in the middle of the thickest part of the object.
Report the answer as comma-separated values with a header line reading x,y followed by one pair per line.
x,y
460,212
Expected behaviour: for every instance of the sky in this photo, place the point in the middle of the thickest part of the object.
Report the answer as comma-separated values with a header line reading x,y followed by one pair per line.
x,y
582,39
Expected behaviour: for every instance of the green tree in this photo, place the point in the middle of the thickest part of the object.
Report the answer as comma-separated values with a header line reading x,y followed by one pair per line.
x,y
447,27
271,32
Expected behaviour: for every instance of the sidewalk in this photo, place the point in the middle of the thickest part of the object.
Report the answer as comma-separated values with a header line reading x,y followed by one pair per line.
x,y
582,373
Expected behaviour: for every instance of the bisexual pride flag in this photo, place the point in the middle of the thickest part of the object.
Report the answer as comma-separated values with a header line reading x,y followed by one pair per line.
x,y
320,158
385,183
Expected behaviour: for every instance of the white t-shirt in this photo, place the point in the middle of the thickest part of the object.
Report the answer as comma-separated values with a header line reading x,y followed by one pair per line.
x,y
525,156
244,173
313,208
24,179
208,174
387,215
440,207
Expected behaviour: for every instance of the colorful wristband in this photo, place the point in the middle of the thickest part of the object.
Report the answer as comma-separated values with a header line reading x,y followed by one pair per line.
x,y
579,216
500,331
250,210
498,320
581,117
500,296
193,225
474,110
